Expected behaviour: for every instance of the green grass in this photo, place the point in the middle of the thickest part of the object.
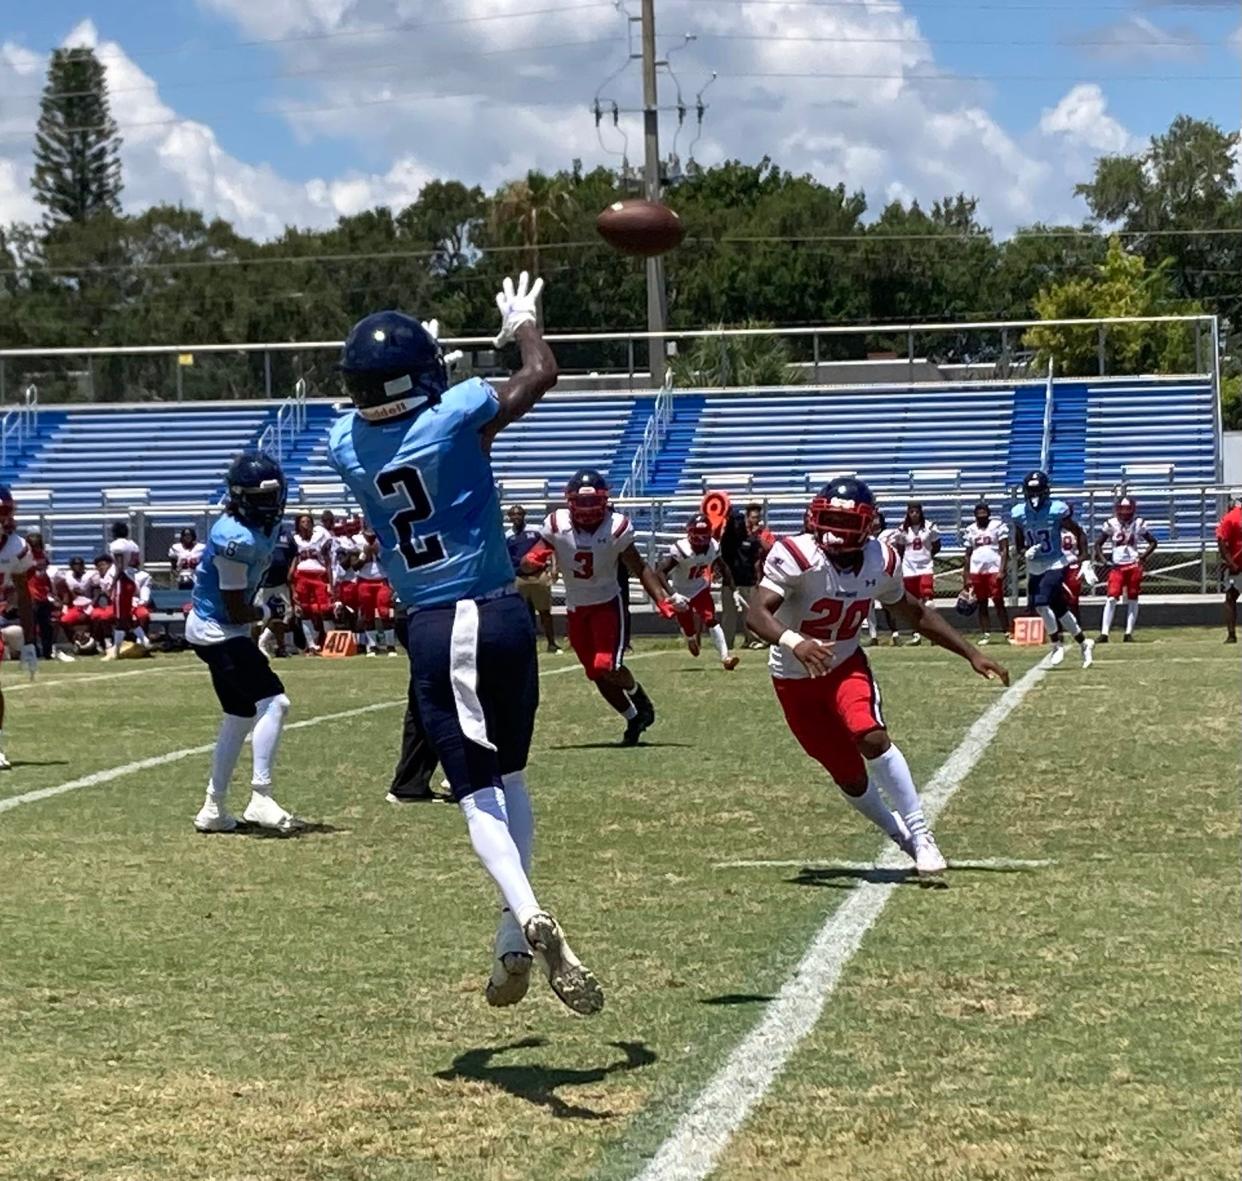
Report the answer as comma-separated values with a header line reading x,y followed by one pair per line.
x,y
174,1006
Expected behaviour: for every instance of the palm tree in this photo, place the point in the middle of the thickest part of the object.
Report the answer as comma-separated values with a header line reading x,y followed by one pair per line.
x,y
529,210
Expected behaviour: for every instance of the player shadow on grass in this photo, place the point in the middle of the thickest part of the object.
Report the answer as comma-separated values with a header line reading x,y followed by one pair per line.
x,y
538,1083
617,745
308,828
738,998
844,877
38,763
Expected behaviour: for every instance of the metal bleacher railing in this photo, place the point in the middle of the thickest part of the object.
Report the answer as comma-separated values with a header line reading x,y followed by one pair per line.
x,y
278,436
18,424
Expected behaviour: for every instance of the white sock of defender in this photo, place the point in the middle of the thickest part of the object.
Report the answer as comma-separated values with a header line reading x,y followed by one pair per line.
x,y
1131,616
229,740
521,815
874,807
631,710
368,640
1110,607
1069,621
891,773
390,638
118,638
718,639
494,846
267,731
1050,621
308,630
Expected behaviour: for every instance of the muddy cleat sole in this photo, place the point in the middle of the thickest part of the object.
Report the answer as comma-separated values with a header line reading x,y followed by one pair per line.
x,y
510,979
572,982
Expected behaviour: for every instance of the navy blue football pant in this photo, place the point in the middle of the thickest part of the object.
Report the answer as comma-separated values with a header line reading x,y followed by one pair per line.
x,y
476,682
1048,590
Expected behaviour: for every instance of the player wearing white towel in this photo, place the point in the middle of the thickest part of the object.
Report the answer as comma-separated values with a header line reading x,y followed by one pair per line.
x,y
689,564
1123,532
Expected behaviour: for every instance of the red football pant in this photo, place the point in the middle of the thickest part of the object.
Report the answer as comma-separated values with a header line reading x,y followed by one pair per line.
x,y
921,586
1073,586
74,617
1125,578
703,607
595,634
347,593
310,592
987,587
374,600
828,715
123,595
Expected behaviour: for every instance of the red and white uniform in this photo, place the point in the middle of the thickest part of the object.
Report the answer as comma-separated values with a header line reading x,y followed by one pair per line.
x,y
1229,535
185,560
917,565
1126,572
984,543
76,597
140,608
829,714
101,587
1073,567
588,564
310,573
374,593
691,577
344,572
15,557
125,559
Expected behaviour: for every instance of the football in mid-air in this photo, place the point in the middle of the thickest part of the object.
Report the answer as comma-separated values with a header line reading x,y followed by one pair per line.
x,y
641,227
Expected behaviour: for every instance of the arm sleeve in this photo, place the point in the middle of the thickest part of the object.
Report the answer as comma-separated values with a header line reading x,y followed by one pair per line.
x,y
622,534
233,574
780,572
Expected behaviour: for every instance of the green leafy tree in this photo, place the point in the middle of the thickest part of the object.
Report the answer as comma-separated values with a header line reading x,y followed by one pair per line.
x,y
77,170
719,361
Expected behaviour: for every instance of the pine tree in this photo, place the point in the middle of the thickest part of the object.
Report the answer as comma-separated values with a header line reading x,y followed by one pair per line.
x,y
77,149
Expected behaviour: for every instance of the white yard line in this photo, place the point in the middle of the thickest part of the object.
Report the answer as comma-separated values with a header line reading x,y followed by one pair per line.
x,y
94,678
955,863
173,756
693,1147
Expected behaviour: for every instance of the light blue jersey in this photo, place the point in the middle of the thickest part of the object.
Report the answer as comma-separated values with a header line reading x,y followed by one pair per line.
x,y
1042,527
235,542
427,489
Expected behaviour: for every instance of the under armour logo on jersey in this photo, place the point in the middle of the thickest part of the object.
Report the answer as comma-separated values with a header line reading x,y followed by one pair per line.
x,y
869,582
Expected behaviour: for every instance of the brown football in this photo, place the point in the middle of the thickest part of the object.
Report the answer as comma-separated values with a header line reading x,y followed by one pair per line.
x,y
644,228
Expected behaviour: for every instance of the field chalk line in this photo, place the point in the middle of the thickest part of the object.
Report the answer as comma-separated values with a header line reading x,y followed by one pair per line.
x,y
862,866
173,756
693,1147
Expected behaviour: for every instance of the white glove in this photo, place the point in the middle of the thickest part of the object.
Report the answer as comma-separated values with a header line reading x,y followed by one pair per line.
x,y
517,307
432,328
739,600
680,602
30,659
1032,553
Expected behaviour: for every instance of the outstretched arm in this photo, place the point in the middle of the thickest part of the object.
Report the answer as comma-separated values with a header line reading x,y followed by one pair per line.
x,y
519,321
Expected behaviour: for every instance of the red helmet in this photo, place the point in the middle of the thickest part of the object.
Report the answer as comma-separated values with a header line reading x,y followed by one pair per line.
x,y
699,533
348,527
587,497
1125,508
840,516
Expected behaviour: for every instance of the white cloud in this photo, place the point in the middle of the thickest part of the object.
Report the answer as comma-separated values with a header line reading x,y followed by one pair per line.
x,y
1134,38
1081,118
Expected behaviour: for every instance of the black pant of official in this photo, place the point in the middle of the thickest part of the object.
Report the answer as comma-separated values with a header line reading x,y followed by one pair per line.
x,y
418,761
45,627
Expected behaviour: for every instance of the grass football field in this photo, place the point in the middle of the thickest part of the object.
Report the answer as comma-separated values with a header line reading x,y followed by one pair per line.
x,y
187,1007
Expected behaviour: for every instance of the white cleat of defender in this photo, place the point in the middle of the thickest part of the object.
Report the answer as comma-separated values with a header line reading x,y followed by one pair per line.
x,y
1057,655
574,983
928,860
511,964
213,816
902,838
267,813
1088,653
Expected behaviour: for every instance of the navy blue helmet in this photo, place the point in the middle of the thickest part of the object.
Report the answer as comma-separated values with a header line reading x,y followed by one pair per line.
x,y
256,490
841,514
391,365
587,497
1036,489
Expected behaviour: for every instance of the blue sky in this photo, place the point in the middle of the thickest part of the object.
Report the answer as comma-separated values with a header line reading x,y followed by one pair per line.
x,y
1011,101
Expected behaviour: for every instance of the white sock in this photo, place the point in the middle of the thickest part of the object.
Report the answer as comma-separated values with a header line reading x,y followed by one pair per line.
x,y
308,630
267,731
521,815
118,638
1069,621
267,639
140,635
229,740
368,639
891,773
493,844
1050,620
631,710
718,638
1110,606
871,630
873,806
390,637
1131,616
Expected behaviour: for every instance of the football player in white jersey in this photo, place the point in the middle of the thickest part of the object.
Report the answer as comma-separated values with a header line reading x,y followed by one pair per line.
x,y
812,601
310,578
125,563
184,556
986,563
918,543
590,540
16,562
1123,531
689,565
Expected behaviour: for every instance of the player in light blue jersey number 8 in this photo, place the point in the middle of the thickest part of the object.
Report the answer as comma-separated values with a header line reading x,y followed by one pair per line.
x,y
416,454
1038,522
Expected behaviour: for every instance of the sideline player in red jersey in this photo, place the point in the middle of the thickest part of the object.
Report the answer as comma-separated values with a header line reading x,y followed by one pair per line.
x,y
688,565
812,601
1123,531
1229,542
591,540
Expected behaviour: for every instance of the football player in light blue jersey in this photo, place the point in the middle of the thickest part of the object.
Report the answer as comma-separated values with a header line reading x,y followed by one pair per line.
x,y
218,628
1038,522
415,454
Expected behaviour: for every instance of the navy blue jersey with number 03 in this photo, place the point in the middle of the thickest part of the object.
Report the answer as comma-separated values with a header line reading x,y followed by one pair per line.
x,y
425,485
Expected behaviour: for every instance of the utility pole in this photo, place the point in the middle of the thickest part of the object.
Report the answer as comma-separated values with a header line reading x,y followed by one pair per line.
x,y
657,299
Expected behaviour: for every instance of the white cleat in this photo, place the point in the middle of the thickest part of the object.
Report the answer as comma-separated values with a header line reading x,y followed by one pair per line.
x,y
393,652
5,765
267,813
928,860
984,639
570,980
110,654
1088,653
214,817
63,657
511,964
902,838
1058,655
915,639
372,652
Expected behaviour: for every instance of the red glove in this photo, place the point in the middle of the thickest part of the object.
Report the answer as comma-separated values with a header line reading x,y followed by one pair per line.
x,y
538,557
665,608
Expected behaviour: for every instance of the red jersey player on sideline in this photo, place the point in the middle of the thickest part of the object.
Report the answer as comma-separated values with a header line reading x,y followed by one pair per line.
x,y
689,564
1229,542
590,540
812,601
1124,530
